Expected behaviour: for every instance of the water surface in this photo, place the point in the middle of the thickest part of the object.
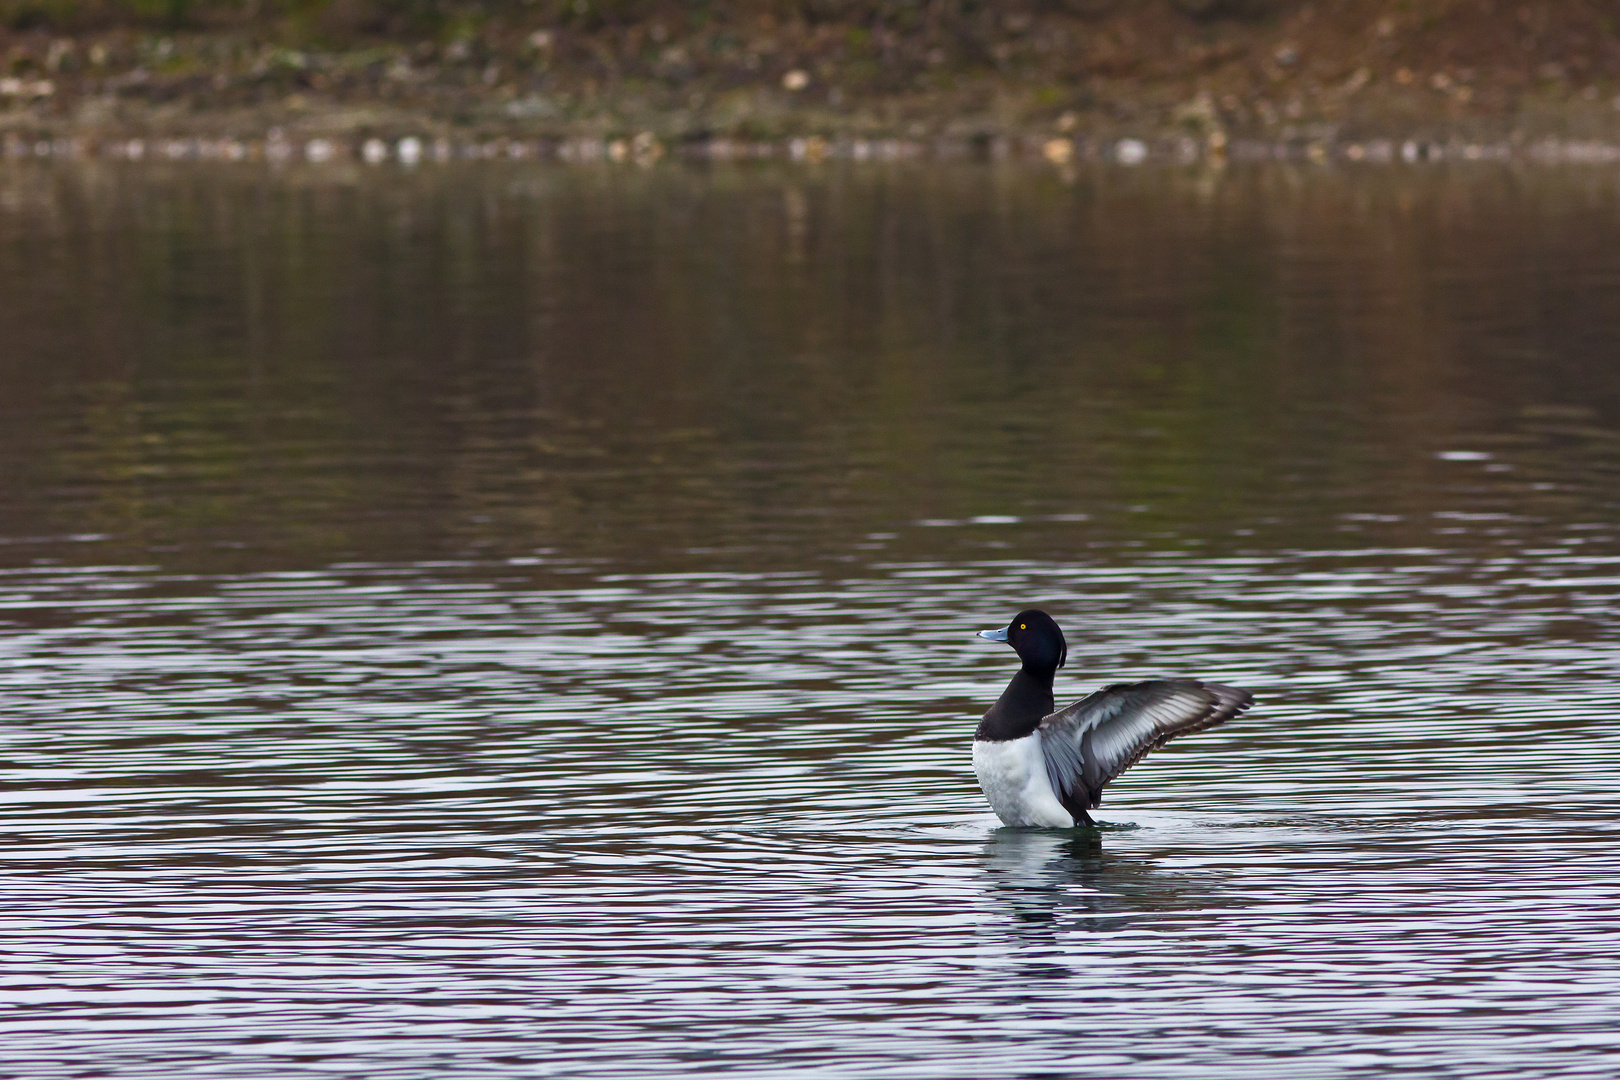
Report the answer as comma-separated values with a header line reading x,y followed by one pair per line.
x,y
515,621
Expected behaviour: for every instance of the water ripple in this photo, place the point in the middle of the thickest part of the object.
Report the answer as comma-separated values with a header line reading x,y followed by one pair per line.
x,y
400,812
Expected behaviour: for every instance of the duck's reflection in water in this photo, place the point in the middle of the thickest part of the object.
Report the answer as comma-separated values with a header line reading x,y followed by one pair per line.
x,y
1053,882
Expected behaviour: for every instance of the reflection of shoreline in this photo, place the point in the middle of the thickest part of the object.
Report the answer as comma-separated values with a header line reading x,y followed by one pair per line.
x,y
1248,360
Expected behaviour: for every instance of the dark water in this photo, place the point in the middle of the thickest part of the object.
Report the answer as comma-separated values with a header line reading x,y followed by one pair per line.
x,y
518,622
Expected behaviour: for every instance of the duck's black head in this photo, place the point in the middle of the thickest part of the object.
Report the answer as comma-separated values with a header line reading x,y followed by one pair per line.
x,y
1036,639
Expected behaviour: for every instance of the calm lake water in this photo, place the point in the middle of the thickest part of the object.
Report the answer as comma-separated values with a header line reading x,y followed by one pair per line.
x,y
514,621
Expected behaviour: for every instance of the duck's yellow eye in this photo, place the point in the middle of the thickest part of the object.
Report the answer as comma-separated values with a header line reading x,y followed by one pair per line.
x,y
1021,626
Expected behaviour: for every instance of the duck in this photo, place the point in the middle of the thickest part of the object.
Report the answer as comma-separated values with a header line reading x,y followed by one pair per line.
x,y
1044,767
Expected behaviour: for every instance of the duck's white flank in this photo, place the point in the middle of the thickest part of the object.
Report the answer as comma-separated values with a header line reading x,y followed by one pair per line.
x,y
1013,776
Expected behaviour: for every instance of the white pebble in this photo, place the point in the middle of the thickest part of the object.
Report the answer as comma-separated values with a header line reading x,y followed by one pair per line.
x,y
1130,151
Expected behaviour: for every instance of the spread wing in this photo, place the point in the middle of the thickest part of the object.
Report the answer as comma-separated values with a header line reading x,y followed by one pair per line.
x,y
1092,741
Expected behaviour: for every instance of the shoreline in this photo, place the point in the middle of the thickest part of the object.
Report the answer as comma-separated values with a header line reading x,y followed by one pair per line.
x,y
279,147
1063,80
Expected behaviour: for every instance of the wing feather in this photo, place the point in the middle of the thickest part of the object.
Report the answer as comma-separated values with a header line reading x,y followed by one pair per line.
x,y
1092,741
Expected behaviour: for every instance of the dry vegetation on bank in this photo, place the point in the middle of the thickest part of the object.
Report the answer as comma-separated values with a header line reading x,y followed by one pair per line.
x,y
1330,70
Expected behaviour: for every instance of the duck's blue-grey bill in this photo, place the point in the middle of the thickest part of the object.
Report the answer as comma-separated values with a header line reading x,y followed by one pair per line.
x,y
994,635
